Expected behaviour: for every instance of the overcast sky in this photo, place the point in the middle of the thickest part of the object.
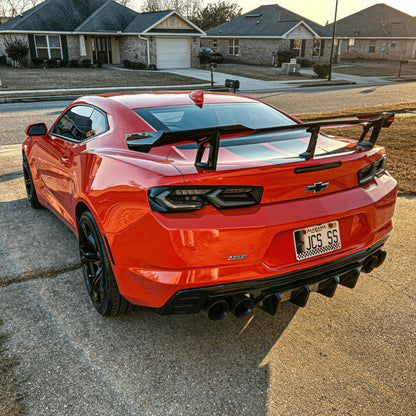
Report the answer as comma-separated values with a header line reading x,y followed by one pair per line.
x,y
321,11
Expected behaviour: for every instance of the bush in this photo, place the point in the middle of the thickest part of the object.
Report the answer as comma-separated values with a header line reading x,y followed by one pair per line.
x,y
52,63
86,63
322,70
63,63
133,65
304,63
37,62
73,63
285,55
204,58
17,49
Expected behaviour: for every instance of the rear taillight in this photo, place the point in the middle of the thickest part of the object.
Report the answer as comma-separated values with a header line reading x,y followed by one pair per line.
x,y
369,172
192,198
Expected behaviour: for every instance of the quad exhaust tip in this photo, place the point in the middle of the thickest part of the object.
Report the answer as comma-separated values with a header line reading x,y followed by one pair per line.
x,y
216,309
373,261
241,305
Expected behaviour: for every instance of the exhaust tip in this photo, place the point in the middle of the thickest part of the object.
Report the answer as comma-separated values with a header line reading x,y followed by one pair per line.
x,y
241,305
370,263
381,257
216,309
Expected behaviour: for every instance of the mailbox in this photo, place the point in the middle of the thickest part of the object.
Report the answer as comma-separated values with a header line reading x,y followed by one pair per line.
x,y
233,84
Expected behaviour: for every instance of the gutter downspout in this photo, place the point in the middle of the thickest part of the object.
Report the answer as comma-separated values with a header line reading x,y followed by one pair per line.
x,y
148,49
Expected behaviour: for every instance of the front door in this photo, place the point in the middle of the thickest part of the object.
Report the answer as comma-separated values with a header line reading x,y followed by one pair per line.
x,y
101,46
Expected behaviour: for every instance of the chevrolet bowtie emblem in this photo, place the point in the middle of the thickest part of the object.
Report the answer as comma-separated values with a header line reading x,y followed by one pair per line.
x,y
317,187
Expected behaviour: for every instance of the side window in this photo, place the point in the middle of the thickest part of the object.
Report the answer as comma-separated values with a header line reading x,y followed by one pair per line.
x,y
80,122
99,123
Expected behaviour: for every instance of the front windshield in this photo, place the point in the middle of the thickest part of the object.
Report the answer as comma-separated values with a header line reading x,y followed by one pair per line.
x,y
189,117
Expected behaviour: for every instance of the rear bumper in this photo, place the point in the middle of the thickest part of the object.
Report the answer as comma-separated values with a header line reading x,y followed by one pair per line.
x,y
294,286
161,257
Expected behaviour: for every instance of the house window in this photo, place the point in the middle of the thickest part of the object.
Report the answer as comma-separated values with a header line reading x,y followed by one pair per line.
x,y
233,47
318,47
48,46
393,44
298,45
351,43
372,48
214,43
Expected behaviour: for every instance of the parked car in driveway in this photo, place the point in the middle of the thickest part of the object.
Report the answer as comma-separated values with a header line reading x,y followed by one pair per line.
x,y
215,56
191,201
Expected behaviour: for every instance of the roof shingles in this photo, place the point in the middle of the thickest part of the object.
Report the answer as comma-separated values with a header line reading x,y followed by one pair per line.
x,y
268,21
378,21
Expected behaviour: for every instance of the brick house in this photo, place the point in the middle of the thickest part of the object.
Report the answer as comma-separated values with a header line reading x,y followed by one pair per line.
x,y
378,32
256,36
107,31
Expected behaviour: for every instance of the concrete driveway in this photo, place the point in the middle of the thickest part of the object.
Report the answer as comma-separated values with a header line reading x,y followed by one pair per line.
x,y
350,355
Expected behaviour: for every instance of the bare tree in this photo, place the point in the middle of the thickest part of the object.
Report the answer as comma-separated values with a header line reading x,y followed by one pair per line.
x,y
214,14
12,8
188,8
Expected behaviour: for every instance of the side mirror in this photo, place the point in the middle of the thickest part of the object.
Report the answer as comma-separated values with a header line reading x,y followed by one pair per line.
x,y
38,129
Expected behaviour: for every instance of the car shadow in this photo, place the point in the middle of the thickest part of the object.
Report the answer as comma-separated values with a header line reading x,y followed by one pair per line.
x,y
182,364
222,363
176,364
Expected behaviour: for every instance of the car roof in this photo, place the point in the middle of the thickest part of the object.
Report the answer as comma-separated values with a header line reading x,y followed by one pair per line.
x,y
163,99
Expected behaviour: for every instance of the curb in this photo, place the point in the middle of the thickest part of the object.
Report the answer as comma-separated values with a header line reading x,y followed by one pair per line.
x,y
326,84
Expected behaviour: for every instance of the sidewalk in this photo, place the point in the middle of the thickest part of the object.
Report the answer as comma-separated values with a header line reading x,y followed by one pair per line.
x,y
250,84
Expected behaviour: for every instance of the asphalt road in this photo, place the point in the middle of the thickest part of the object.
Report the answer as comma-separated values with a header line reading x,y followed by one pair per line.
x,y
350,355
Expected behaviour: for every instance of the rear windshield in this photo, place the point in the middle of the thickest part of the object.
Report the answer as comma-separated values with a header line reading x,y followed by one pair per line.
x,y
190,117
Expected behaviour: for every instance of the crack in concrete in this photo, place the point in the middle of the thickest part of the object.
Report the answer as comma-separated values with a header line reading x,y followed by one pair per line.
x,y
394,287
37,274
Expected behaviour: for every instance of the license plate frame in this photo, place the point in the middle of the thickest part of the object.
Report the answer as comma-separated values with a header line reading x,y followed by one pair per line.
x,y
317,240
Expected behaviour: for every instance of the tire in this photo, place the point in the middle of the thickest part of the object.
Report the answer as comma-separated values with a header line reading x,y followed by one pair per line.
x,y
98,274
32,196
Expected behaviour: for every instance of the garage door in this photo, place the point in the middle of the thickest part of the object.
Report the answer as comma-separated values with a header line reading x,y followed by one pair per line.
x,y
172,53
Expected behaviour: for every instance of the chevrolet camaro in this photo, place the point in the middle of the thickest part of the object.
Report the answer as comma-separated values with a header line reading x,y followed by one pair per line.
x,y
185,202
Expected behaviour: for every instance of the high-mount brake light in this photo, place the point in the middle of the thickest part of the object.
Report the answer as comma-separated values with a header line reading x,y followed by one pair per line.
x,y
192,198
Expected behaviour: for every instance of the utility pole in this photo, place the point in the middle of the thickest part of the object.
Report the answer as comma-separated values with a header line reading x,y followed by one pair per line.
x,y
333,41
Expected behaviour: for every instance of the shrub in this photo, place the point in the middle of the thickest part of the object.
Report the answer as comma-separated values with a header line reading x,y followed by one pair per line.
x,y
133,65
86,63
63,63
17,49
73,63
304,63
37,62
52,63
322,70
285,55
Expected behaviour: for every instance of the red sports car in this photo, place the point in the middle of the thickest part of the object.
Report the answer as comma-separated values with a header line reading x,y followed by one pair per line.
x,y
187,202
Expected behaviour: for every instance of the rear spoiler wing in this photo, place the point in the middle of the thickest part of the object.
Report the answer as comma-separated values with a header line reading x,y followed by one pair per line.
x,y
210,137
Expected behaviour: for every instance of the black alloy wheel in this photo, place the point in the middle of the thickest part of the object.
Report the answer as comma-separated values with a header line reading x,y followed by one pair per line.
x,y
96,267
32,197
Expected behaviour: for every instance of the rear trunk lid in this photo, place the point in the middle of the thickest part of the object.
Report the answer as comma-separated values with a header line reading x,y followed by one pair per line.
x,y
273,162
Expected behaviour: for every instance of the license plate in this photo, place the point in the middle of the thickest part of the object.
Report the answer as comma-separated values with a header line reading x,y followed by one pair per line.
x,y
317,239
